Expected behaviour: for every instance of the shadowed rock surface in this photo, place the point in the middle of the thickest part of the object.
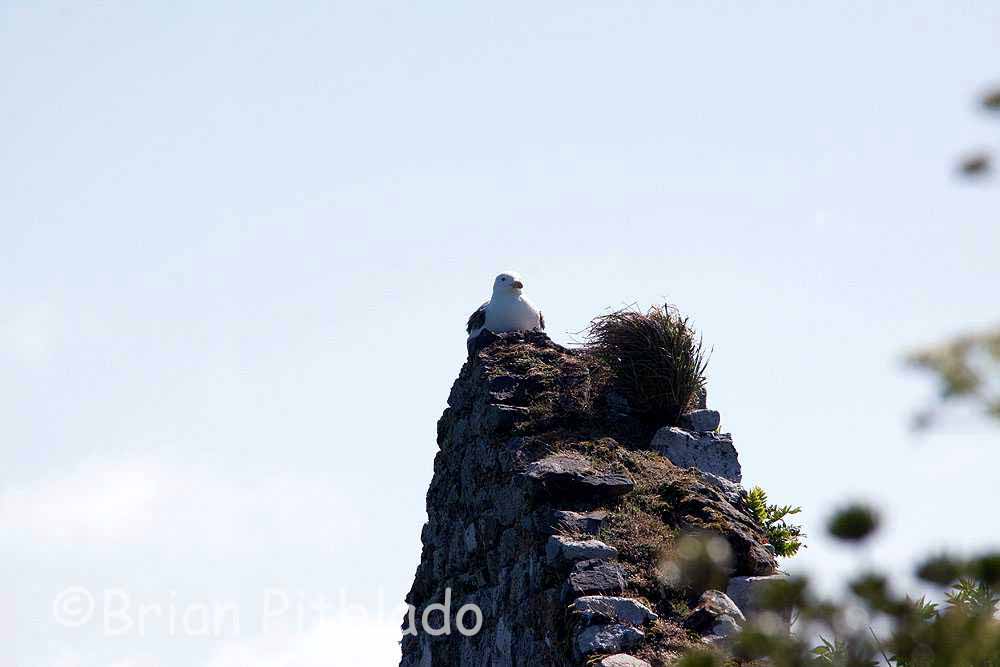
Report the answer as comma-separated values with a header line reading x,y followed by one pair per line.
x,y
549,510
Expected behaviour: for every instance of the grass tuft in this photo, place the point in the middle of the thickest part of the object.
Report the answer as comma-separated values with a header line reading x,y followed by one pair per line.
x,y
654,358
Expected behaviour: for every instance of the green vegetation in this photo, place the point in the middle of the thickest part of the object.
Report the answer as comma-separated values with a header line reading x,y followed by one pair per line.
x,y
654,358
854,523
838,654
979,163
786,538
964,632
966,368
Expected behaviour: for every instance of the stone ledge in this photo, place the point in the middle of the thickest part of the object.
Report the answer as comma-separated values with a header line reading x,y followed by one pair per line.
x,y
622,660
569,477
561,549
608,638
709,452
611,609
595,577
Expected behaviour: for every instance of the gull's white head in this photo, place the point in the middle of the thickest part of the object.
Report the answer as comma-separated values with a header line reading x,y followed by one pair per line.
x,y
507,283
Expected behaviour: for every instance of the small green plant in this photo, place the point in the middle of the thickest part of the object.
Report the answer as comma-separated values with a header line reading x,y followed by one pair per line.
x,y
973,598
654,359
964,632
785,537
838,654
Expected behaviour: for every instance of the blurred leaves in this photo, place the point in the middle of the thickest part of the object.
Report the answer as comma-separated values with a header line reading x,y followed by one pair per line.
x,y
700,561
700,658
944,570
980,163
854,523
967,368
963,633
842,654
991,99
940,570
973,597
986,569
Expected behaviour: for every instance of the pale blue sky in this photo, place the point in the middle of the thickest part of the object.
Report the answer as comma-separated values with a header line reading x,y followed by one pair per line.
x,y
239,243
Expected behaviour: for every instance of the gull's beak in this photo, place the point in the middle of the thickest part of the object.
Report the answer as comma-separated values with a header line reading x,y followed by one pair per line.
x,y
518,284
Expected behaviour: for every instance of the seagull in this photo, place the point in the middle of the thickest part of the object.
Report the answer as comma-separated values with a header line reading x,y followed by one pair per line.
x,y
506,310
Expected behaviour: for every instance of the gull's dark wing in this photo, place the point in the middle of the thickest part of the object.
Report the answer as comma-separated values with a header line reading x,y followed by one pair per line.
x,y
478,319
541,320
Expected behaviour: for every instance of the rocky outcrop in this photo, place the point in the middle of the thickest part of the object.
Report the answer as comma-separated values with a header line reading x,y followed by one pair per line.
x,y
748,594
569,477
701,420
549,512
716,617
710,452
622,660
585,523
602,608
560,547
610,638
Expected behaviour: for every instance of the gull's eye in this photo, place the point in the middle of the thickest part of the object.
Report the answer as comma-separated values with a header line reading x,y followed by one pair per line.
x,y
503,280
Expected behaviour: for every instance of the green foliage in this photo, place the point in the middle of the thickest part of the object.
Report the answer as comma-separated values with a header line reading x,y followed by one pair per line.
x,y
986,569
655,360
991,100
940,570
972,597
964,632
700,658
854,522
980,163
966,368
839,654
785,537
830,653
922,609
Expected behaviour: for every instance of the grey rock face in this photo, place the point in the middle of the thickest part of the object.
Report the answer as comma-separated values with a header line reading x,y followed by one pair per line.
x,y
701,420
560,548
609,609
485,535
499,494
622,660
725,626
567,477
502,418
731,491
702,504
595,577
608,638
746,593
710,452
470,537
588,523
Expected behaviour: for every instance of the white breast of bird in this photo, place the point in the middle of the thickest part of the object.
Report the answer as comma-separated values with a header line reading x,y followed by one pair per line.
x,y
514,313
